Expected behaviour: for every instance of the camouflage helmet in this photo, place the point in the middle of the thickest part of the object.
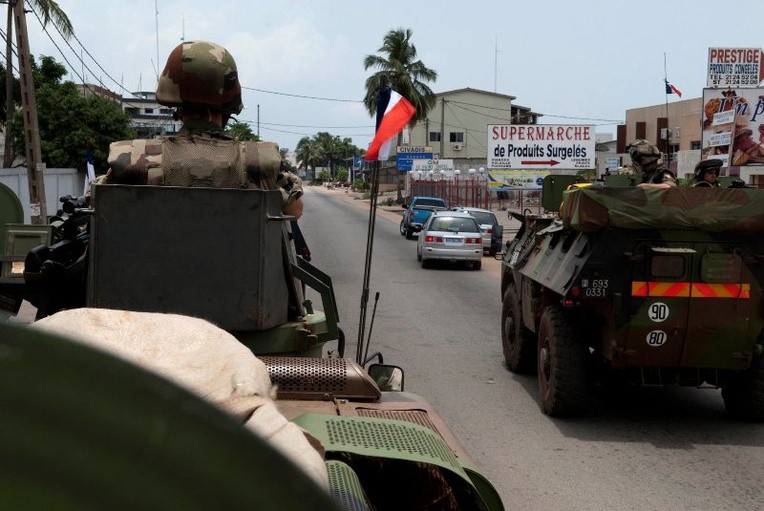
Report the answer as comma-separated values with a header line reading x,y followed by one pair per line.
x,y
641,150
200,74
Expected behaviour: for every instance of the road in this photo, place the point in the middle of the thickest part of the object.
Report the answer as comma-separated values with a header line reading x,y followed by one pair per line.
x,y
647,449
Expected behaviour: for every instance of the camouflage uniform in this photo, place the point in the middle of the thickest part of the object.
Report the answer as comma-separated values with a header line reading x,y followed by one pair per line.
x,y
201,76
713,165
645,162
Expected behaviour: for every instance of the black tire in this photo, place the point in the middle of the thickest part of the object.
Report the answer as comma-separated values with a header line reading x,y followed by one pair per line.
x,y
402,229
425,263
409,233
744,394
418,256
561,365
517,342
476,265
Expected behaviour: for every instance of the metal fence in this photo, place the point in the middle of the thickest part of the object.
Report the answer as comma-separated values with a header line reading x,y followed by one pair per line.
x,y
476,194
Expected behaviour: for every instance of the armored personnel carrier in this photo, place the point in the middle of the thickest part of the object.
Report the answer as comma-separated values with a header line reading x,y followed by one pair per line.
x,y
654,286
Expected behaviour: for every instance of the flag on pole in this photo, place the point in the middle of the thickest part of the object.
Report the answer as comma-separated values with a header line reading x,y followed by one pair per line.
x,y
670,89
90,173
393,114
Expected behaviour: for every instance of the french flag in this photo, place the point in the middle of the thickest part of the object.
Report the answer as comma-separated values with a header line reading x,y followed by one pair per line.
x,y
670,89
393,114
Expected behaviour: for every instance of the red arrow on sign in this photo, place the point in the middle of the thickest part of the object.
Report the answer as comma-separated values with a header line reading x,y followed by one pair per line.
x,y
548,163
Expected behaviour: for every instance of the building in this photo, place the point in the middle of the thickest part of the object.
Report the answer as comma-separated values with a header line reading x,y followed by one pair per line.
x,y
455,128
147,117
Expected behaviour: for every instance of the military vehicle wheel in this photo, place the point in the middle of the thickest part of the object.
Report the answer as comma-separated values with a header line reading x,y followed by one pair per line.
x,y
402,229
744,395
561,362
517,341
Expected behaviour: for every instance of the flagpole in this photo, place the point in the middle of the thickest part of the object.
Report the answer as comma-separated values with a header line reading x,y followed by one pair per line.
x,y
665,92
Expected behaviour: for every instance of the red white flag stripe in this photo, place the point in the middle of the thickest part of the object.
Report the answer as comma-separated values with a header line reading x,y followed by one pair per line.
x,y
397,115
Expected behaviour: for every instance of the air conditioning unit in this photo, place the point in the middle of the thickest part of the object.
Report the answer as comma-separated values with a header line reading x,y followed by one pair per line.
x,y
458,147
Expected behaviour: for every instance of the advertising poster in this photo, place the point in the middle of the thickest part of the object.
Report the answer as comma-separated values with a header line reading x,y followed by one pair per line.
x,y
733,125
513,179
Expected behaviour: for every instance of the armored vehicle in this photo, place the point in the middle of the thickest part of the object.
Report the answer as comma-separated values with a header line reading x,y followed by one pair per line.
x,y
224,255
654,286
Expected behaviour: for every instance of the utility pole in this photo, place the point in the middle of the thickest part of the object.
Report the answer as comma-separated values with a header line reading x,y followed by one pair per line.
x,y
35,166
8,155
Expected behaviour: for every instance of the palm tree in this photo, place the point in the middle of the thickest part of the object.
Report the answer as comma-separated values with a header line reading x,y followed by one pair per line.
x,y
49,11
408,76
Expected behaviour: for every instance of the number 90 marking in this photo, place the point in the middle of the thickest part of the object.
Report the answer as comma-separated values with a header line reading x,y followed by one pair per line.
x,y
658,312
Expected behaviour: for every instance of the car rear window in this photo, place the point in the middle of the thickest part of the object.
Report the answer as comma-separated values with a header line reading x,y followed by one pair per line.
x,y
429,202
483,217
453,224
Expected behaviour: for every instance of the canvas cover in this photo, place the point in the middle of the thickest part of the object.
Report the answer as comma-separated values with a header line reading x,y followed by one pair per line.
x,y
706,209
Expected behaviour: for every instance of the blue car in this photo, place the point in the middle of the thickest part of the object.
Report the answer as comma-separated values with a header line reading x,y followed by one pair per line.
x,y
417,212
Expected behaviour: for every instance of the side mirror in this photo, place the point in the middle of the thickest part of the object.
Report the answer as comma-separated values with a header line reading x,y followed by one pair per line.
x,y
387,377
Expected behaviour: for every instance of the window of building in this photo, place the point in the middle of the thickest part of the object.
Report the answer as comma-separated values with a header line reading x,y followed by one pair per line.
x,y
695,144
435,136
148,111
132,111
456,136
165,111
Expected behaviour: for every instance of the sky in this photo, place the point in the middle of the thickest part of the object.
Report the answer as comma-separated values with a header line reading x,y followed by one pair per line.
x,y
301,61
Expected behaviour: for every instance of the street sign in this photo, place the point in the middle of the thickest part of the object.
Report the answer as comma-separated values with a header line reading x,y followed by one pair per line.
x,y
433,164
540,146
735,67
406,155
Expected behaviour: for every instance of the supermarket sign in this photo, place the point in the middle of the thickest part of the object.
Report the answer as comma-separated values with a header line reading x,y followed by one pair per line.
x,y
735,67
540,146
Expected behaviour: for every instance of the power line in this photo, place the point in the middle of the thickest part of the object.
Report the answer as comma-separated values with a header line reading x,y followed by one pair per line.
x,y
301,96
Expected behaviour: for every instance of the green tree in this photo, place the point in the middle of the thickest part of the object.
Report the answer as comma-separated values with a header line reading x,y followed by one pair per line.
x,y
49,11
242,131
69,122
398,65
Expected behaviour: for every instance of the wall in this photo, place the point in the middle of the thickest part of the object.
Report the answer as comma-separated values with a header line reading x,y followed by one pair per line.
x,y
58,182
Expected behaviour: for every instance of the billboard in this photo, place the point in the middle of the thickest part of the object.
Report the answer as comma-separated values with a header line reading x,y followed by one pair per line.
x,y
735,67
516,179
540,146
733,124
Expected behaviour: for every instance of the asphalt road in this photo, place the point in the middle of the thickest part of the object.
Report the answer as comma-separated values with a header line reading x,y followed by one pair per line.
x,y
640,449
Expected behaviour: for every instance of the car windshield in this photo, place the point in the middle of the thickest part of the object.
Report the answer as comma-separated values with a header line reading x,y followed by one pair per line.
x,y
484,217
451,224
428,202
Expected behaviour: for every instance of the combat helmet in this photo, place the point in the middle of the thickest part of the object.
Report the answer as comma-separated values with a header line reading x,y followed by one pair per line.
x,y
642,151
714,164
200,74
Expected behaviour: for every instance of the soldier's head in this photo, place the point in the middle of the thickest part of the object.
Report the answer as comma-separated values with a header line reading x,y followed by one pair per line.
x,y
643,153
708,170
201,76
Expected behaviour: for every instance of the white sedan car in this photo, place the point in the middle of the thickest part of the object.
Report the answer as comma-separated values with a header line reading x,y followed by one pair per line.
x,y
450,236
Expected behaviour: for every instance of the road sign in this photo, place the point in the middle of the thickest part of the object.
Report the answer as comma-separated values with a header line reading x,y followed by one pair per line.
x,y
540,146
406,155
735,67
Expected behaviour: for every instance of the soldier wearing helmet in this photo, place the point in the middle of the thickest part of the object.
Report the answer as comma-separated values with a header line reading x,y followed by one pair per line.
x,y
706,173
646,162
201,80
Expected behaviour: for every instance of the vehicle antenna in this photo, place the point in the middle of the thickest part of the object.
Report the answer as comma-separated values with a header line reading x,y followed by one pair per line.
x,y
368,339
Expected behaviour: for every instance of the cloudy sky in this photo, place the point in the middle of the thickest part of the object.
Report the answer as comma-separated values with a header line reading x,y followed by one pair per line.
x,y
301,61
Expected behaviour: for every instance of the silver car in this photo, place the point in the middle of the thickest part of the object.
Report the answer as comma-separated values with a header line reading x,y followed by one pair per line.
x,y
450,236
493,233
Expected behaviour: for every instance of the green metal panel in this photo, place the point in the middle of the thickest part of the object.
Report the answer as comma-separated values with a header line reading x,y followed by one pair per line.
x,y
11,212
19,240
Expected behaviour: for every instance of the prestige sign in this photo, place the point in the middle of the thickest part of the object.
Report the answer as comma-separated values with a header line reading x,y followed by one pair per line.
x,y
735,67
540,146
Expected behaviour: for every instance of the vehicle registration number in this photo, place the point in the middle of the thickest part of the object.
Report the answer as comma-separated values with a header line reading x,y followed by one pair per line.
x,y
453,240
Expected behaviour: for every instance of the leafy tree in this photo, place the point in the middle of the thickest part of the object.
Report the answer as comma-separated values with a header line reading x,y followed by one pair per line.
x,y
242,131
69,122
406,74
399,67
286,163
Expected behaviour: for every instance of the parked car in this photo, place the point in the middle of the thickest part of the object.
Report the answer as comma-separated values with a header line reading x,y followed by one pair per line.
x,y
493,232
450,236
417,212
